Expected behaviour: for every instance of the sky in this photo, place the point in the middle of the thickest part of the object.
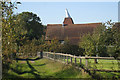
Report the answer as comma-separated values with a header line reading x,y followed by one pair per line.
x,y
68,0
81,12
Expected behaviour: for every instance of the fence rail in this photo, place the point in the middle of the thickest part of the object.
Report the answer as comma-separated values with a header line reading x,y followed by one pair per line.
x,y
80,57
79,60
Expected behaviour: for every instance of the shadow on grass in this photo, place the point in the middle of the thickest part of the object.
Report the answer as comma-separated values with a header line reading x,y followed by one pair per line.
x,y
98,76
6,75
91,73
10,76
32,71
27,59
113,75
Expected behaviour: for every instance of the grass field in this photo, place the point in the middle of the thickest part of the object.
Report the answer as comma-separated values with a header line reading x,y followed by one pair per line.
x,y
102,63
46,68
43,68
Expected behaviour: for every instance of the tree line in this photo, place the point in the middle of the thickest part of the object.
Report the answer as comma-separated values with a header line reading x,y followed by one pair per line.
x,y
105,41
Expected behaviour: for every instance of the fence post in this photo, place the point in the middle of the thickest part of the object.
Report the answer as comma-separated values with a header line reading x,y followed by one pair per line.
x,y
62,57
52,55
41,54
75,60
96,60
47,55
86,62
71,59
80,61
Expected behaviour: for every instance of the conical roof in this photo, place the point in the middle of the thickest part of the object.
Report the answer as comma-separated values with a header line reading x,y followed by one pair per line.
x,y
67,13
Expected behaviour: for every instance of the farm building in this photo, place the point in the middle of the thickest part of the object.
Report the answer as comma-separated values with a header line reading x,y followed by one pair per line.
x,y
69,30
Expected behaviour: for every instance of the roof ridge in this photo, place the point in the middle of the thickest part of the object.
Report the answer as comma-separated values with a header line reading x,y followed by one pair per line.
x,y
53,24
74,24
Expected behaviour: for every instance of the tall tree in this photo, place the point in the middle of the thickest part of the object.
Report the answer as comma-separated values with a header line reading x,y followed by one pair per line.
x,y
91,42
28,26
105,41
8,31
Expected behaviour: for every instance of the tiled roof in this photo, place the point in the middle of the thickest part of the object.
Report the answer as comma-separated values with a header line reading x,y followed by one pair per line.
x,y
70,31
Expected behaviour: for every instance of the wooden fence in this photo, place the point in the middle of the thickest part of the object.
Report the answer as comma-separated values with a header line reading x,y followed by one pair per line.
x,y
77,60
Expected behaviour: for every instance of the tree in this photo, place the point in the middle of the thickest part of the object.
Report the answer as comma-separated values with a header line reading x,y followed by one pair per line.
x,y
29,31
116,44
8,34
8,31
65,47
111,39
52,46
31,49
92,43
28,26
105,41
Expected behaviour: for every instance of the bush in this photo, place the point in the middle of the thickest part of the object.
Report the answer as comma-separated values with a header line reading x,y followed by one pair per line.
x,y
67,48
31,48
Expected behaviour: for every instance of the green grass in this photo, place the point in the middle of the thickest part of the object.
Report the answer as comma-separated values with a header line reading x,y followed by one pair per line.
x,y
102,64
43,68
46,68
